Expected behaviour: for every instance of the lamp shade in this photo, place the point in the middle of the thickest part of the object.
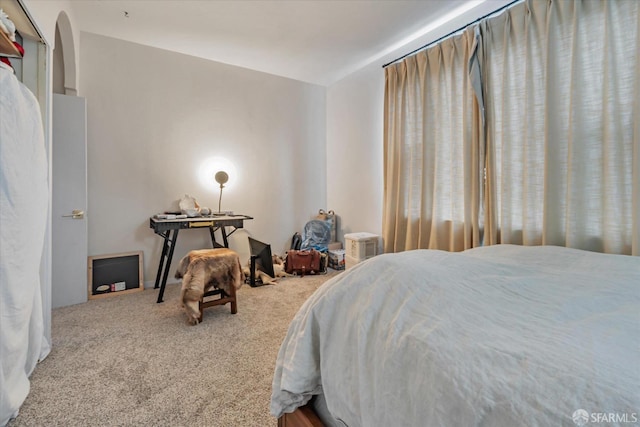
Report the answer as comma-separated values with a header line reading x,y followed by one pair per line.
x,y
221,177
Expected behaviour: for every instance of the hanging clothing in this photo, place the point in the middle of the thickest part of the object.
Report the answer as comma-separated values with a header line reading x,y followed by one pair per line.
x,y
24,202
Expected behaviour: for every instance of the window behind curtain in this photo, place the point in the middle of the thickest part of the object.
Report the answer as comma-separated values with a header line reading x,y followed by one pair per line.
x,y
431,162
560,91
561,85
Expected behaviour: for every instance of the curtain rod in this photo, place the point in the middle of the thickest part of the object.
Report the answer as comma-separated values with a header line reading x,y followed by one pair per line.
x,y
452,33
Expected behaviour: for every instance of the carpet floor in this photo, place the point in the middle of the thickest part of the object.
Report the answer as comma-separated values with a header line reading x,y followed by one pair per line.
x,y
127,361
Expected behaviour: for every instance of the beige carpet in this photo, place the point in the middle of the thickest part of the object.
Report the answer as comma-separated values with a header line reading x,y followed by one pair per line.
x,y
127,361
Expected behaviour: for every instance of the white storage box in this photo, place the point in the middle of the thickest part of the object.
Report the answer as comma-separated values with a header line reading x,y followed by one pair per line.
x,y
350,261
361,246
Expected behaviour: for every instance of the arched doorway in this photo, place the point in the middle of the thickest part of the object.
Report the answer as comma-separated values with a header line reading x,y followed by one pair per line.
x,y
64,58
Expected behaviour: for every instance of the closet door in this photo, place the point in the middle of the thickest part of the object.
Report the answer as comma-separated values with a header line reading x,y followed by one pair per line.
x,y
69,204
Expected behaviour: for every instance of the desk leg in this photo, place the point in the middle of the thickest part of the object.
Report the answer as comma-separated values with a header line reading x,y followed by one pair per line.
x,y
223,231
172,243
165,247
214,244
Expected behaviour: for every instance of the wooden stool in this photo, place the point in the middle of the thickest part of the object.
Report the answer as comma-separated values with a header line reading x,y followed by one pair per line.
x,y
224,298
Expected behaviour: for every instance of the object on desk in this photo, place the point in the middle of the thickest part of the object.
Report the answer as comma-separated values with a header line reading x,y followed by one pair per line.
x,y
189,206
169,216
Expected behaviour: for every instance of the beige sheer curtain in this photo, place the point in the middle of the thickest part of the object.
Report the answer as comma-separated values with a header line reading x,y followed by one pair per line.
x,y
562,98
432,176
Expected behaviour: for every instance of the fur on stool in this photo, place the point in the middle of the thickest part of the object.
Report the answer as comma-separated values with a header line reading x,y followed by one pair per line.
x,y
203,270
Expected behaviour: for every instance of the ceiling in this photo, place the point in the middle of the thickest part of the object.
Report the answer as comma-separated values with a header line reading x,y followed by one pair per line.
x,y
315,41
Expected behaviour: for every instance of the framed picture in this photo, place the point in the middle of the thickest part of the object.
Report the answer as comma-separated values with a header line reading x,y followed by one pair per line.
x,y
115,274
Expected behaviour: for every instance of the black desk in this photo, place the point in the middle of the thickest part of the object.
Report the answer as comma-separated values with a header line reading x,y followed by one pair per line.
x,y
164,228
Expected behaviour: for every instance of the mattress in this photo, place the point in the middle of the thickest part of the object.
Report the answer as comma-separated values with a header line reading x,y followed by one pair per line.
x,y
499,335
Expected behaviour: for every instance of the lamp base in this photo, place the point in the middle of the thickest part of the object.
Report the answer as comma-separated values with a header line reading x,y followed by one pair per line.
x,y
222,213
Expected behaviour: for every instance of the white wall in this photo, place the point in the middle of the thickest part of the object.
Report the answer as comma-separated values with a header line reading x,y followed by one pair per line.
x,y
354,147
155,115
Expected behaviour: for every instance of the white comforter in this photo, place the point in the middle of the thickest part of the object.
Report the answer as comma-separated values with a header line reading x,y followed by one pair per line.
x,y
495,336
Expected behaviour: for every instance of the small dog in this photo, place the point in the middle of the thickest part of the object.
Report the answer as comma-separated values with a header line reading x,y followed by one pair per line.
x,y
278,270
203,270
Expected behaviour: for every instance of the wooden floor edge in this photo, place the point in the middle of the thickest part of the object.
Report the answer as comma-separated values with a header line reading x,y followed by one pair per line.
x,y
304,416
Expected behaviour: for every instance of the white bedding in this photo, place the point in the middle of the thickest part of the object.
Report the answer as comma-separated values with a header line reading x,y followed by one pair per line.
x,y
495,336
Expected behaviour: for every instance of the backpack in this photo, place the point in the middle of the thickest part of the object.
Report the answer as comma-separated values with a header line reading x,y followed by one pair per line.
x,y
296,241
316,235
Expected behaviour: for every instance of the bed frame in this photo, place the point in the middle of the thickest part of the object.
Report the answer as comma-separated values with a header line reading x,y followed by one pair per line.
x,y
304,416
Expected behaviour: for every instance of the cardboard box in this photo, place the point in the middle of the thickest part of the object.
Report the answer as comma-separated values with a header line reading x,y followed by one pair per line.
x,y
337,259
334,246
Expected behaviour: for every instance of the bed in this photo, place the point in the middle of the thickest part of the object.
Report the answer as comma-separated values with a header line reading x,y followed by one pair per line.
x,y
495,336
